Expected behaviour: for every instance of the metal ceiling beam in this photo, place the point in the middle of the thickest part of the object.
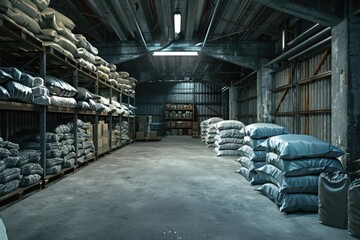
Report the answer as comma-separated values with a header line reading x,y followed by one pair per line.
x,y
206,36
250,62
318,11
190,23
105,13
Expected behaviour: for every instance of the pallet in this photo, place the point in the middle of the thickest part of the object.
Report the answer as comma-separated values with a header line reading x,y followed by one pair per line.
x,y
19,194
149,140
85,163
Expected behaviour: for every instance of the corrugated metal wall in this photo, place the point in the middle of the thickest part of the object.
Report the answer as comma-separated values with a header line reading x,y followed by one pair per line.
x,y
13,121
247,102
152,97
302,96
208,101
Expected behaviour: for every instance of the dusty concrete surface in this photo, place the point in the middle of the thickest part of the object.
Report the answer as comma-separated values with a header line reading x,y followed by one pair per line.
x,y
172,189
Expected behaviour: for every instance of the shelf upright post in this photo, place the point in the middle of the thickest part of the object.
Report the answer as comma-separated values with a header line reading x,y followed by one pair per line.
x,y
96,137
75,116
110,123
42,120
134,120
120,118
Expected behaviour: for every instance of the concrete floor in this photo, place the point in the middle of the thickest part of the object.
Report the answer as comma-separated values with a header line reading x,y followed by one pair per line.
x,y
172,189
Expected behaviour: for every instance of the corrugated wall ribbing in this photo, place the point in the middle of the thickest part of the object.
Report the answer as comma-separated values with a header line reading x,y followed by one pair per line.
x,y
247,101
207,101
152,97
302,96
12,122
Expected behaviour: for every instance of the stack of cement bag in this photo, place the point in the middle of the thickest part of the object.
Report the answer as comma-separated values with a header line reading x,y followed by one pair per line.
x,y
125,132
25,13
113,75
203,127
17,168
9,169
228,138
294,165
252,156
116,139
210,131
85,145
56,31
62,93
18,86
85,99
85,53
30,168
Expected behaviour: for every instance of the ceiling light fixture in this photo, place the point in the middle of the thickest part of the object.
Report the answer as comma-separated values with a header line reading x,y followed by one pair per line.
x,y
175,53
177,22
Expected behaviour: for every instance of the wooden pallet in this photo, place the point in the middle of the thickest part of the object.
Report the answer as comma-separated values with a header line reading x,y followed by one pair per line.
x,y
19,194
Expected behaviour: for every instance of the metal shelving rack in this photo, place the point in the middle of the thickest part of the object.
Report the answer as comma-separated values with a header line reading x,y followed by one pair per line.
x,y
19,48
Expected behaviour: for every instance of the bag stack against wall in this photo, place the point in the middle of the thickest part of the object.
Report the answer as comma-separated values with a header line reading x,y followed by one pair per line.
x,y
85,144
252,157
125,132
228,138
294,164
9,167
30,167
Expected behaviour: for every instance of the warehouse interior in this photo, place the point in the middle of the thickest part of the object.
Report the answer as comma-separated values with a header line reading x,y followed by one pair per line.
x,y
137,119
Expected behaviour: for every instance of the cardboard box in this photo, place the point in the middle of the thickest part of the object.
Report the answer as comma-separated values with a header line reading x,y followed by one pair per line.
x,y
174,132
140,136
99,130
153,135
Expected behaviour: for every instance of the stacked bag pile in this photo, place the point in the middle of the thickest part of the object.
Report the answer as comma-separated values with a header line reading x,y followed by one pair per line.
x,y
19,86
62,93
30,168
210,131
125,132
25,13
228,138
85,99
85,145
251,155
294,163
9,169
17,168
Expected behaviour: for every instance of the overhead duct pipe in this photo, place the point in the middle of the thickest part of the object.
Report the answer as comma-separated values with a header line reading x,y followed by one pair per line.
x,y
319,36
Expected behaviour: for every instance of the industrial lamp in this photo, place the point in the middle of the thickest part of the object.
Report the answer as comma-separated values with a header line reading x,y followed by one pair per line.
x,y
177,22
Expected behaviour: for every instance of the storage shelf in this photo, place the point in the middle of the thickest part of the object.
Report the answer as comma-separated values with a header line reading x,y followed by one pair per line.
x,y
21,49
17,106
178,119
182,109
189,127
61,109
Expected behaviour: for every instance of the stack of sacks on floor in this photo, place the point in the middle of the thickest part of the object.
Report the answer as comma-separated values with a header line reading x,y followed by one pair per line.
x,y
210,131
18,86
125,132
203,127
228,138
252,157
62,93
85,145
294,165
17,168
25,13
30,167
9,169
